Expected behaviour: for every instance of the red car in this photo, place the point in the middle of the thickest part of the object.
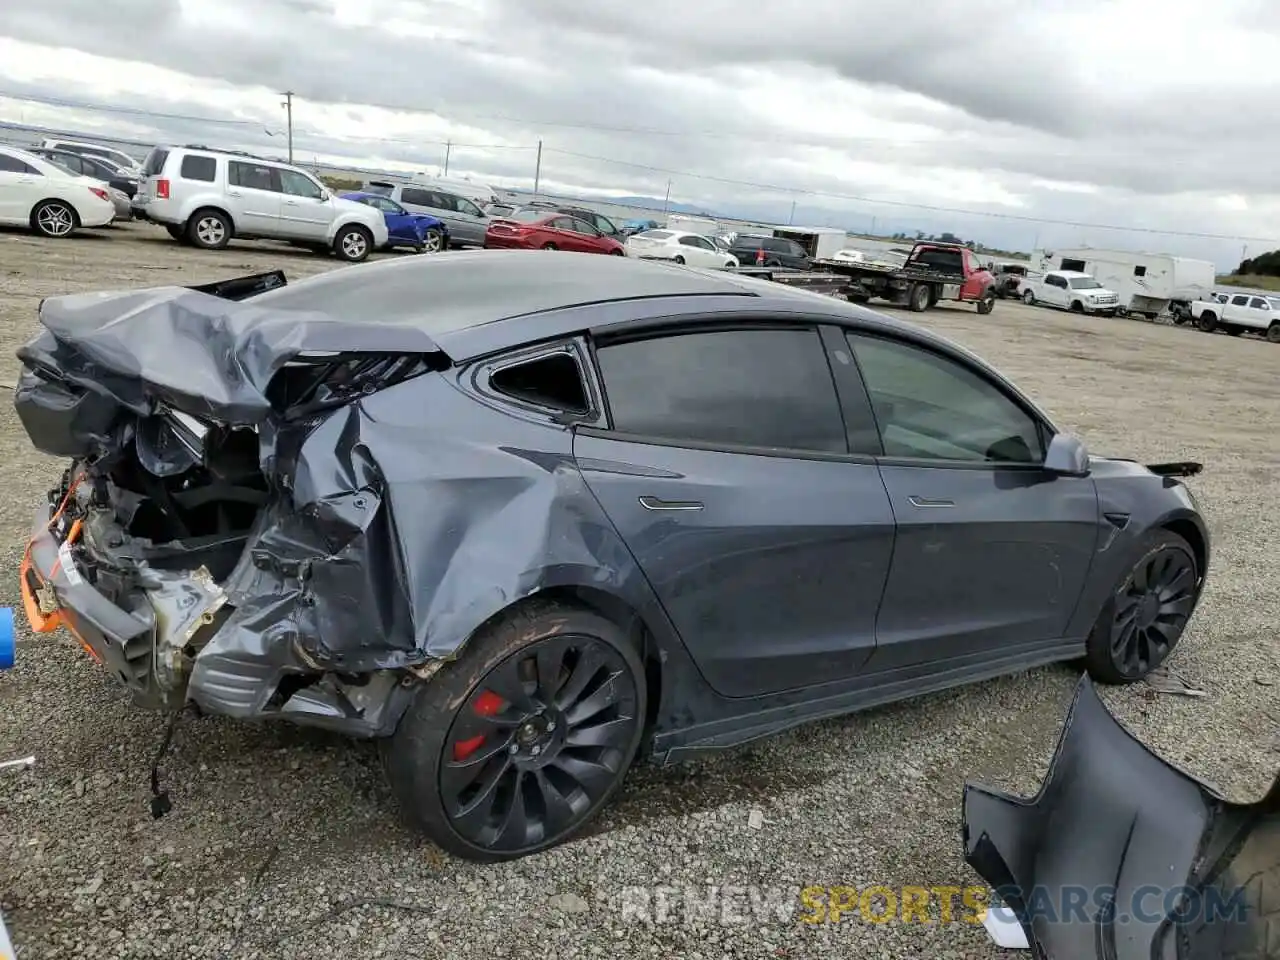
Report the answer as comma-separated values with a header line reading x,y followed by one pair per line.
x,y
549,230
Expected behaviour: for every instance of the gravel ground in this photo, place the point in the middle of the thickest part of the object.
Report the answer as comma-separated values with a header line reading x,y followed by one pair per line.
x,y
280,838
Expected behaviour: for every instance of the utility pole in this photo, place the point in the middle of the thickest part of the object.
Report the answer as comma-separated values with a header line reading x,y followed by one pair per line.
x,y
537,170
791,217
288,108
667,200
448,145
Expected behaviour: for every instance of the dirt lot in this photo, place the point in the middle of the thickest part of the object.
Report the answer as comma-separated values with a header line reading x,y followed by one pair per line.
x,y
279,837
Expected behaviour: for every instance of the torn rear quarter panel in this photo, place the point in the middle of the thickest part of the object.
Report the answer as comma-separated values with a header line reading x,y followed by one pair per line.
x,y
1123,857
384,535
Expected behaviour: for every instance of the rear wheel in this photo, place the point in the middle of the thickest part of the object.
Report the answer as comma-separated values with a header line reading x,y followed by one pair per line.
x,y
549,246
918,297
678,259
54,218
518,744
209,229
1145,617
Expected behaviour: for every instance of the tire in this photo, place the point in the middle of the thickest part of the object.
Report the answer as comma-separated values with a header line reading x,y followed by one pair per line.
x,y
1273,332
678,259
730,265
209,229
446,739
1208,322
1029,298
353,243
549,246
54,219
617,253
1077,306
918,297
433,241
1179,565
986,304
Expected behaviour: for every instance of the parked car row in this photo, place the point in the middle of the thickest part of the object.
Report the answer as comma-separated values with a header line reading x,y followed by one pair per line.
x,y
49,198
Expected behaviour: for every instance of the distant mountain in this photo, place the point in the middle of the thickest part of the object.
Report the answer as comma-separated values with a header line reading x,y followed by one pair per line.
x,y
655,203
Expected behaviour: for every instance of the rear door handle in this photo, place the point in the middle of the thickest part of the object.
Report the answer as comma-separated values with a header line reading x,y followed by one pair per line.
x,y
653,503
926,502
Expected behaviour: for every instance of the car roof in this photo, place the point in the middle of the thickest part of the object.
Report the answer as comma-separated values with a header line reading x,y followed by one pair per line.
x,y
1071,274
476,302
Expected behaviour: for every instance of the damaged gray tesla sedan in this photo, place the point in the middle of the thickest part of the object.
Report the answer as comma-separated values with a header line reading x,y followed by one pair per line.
x,y
526,516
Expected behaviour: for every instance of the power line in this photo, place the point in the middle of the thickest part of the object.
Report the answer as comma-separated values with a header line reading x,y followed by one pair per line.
x,y
994,214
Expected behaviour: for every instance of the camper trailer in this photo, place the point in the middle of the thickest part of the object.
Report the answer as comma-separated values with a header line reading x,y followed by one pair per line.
x,y
820,243
1148,283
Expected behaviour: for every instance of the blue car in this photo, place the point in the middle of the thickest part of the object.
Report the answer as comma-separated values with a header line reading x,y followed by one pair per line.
x,y
426,234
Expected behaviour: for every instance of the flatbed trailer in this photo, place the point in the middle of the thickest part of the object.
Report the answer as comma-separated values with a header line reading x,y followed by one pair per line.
x,y
829,283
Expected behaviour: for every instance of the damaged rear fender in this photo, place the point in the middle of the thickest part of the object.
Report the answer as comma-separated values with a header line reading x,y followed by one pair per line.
x,y
1123,856
397,542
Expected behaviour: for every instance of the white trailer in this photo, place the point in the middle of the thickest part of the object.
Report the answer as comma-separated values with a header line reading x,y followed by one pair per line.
x,y
821,243
1148,283
704,226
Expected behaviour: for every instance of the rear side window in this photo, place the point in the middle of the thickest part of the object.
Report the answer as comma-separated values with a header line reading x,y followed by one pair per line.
x,y
198,168
10,164
419,198
553,382
253,176
154,164
751,388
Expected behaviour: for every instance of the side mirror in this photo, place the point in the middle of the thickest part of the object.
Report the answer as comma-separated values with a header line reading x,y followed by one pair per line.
x,y
1067,456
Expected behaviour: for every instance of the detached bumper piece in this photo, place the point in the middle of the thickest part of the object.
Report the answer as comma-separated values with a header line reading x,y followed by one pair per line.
x,y
1121,856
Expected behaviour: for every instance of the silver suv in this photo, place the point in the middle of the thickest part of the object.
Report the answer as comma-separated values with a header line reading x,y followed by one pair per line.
x,y
206,197
467,222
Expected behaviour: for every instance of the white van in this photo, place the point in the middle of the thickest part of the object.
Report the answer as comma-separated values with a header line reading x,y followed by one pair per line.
x,y
118,157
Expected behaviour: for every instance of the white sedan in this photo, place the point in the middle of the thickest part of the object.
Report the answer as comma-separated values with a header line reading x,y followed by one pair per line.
x,y
50,199
679,246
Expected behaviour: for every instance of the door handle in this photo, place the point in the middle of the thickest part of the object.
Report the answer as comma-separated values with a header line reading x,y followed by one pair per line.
x,y
926,502
653,503
234,193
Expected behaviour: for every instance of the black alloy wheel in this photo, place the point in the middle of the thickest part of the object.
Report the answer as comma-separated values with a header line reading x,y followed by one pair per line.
x,y
1147,614
521,745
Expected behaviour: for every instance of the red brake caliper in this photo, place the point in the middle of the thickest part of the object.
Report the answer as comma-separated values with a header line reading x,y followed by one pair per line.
x,y
486,705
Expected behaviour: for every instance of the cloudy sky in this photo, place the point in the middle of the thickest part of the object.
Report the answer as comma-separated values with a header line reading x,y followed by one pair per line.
x,y
1013,122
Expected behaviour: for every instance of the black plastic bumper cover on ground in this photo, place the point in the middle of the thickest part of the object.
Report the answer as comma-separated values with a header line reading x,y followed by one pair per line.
x,y
1123,856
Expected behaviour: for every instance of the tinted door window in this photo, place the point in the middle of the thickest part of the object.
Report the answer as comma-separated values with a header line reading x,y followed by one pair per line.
x,y
1239,301
931,407
154,162
1258,303
443,201
754,388
253,176
466,206
198,168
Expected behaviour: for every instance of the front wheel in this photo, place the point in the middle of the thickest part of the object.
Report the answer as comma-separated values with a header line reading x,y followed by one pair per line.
x,y
1273,332
1029,298
54,218
432,241
353,243
549,246
1208,322
987,304
678,259
1144,618
518,744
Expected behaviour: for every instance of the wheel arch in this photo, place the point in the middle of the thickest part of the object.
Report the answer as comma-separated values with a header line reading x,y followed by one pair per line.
x,y
624,613
1191,532
75,213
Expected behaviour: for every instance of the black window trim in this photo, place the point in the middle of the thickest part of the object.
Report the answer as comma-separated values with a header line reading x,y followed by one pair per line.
x,y
703,323
482,381
1044,430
